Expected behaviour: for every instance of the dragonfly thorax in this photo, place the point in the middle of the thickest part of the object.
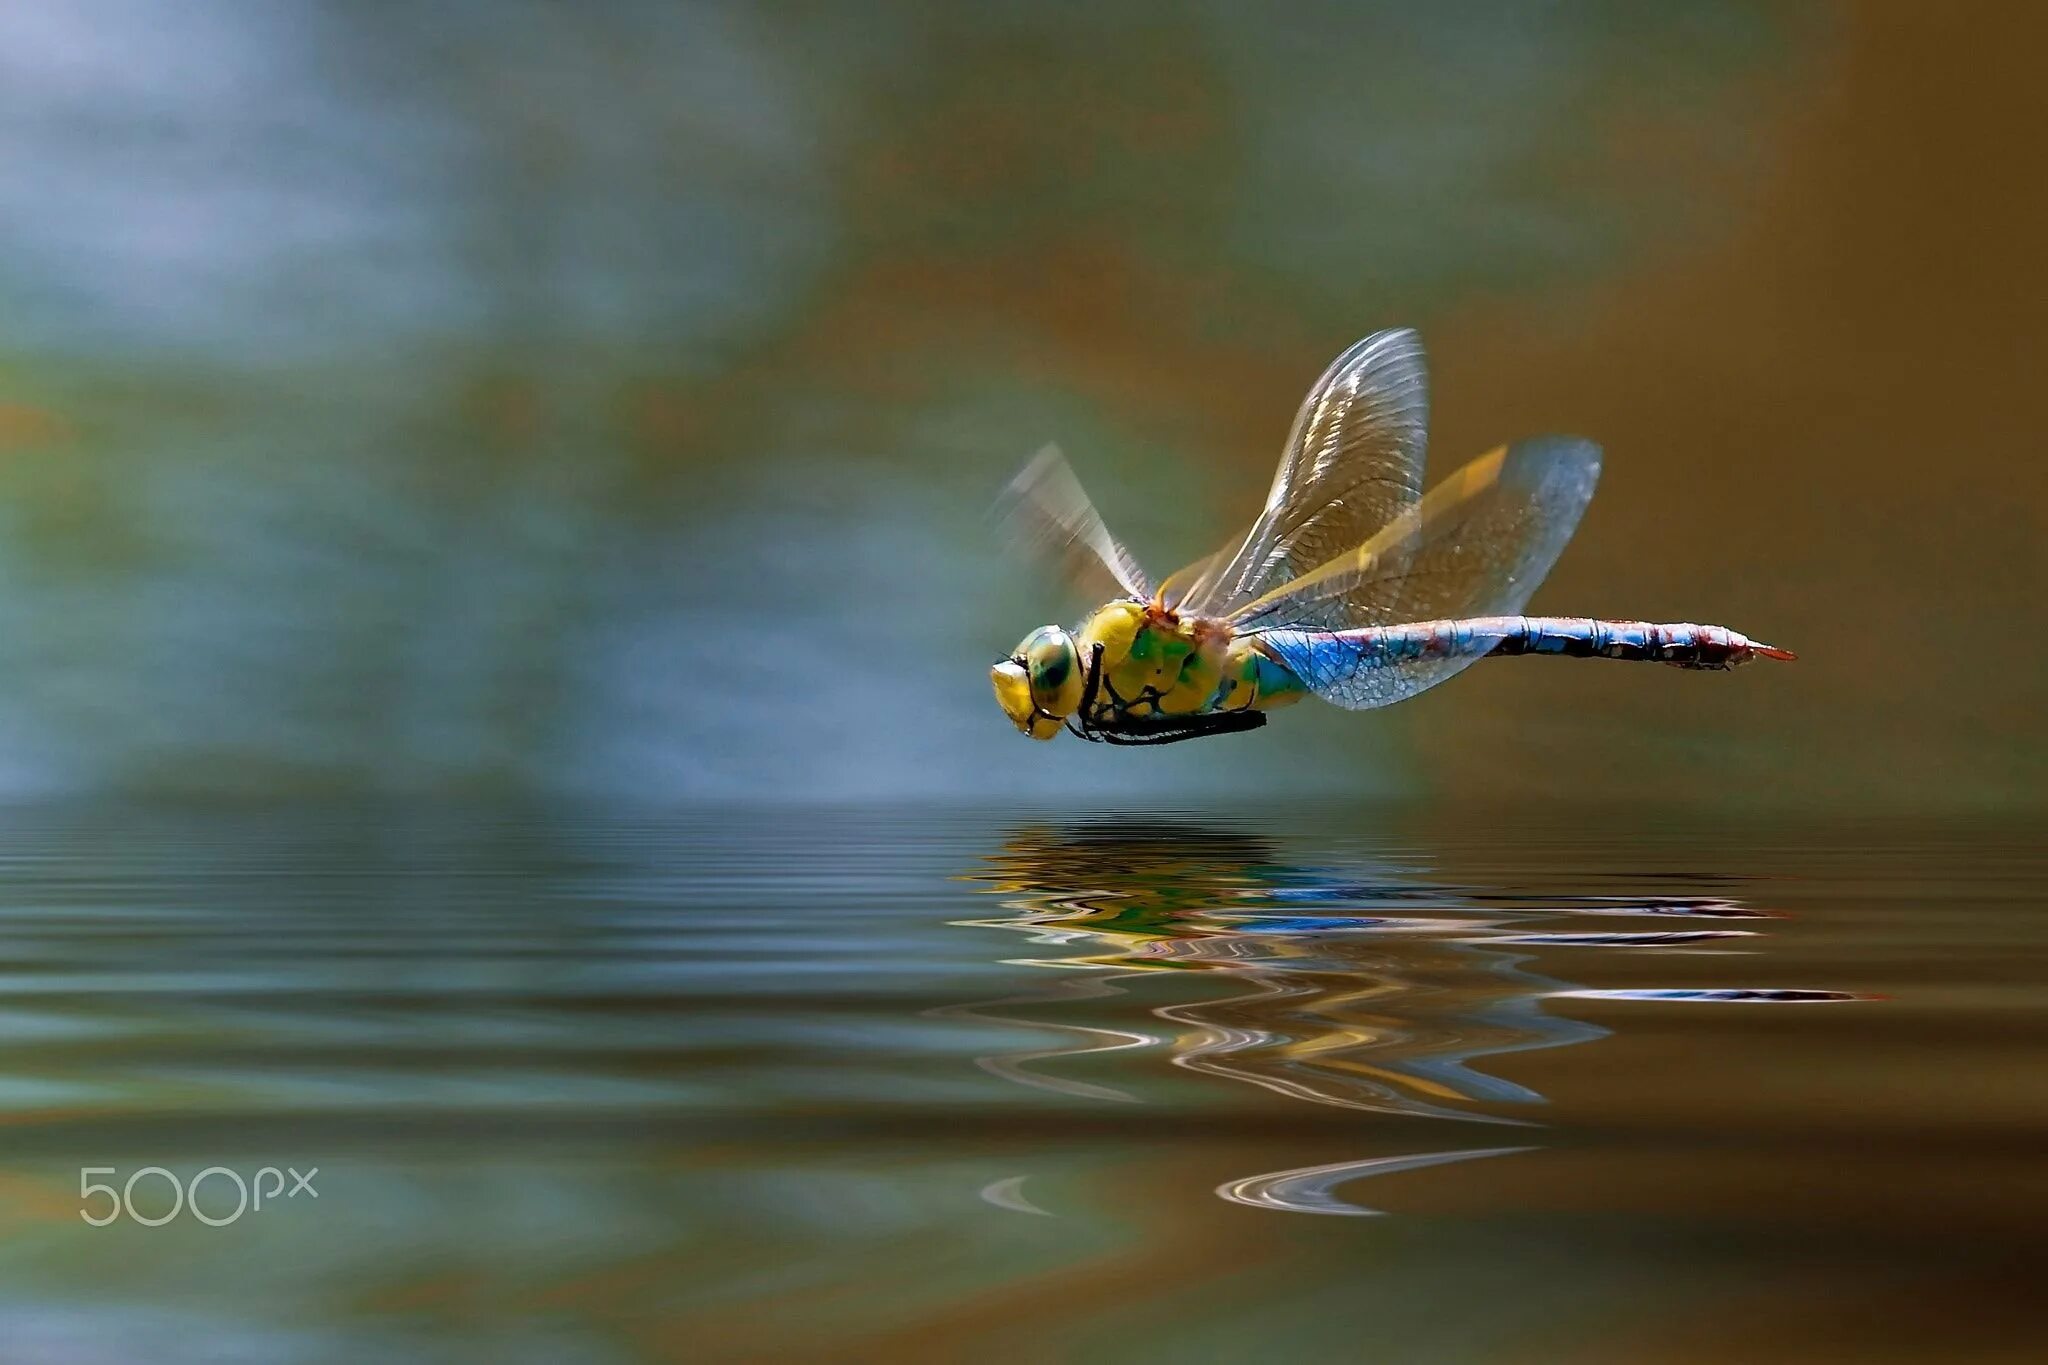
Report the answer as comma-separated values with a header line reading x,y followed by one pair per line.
x,y
1134,661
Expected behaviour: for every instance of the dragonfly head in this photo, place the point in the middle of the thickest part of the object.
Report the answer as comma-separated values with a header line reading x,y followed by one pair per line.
x,y
1039,685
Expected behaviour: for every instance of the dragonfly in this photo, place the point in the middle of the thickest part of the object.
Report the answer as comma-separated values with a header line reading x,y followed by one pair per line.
x,y
1351,585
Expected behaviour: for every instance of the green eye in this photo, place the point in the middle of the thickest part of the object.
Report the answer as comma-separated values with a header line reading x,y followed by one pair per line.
x,y
1055,670
1052,661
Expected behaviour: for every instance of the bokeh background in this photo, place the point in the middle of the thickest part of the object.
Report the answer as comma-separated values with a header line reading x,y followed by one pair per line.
x,y
516,399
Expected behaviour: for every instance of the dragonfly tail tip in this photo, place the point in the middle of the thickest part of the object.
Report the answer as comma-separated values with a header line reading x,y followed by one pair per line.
x,y
1773,652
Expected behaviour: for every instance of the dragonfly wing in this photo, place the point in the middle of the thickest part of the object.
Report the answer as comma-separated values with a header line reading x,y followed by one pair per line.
x,y
1477,545
1181,586
1052,520
1352,464
1357,671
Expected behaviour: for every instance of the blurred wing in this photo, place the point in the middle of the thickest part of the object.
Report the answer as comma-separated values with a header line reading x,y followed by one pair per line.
x,y
1180,586
1050,517
1478,545
1352,464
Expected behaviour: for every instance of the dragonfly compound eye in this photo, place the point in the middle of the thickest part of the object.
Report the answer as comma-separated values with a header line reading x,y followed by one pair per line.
x,y
1055,668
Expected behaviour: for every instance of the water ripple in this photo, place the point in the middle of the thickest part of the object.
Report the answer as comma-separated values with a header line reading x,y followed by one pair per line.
x,y
1397,995
1739,995
1309,1189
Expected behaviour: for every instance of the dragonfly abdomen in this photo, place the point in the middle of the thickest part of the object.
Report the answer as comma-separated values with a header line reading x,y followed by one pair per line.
x,y
1680,644
1346,661
1380,665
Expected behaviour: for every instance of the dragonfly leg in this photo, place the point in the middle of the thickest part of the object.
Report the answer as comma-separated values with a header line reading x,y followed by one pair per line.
x,y
1174,729
1150,730
1089,690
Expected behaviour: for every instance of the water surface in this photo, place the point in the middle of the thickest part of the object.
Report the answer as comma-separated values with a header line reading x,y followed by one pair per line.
x,y
941,1085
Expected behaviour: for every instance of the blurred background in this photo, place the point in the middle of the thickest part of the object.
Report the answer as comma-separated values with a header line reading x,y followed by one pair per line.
x,y
520,399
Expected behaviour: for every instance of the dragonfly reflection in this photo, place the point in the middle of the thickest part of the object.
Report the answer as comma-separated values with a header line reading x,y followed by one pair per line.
x,y
1362,986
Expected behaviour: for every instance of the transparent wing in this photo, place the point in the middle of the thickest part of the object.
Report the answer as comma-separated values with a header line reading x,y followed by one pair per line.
x,y
1357,671
1352,464
1477,545
1180,586
1051,519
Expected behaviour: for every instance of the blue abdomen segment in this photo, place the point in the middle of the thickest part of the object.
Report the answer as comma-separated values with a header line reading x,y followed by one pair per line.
x,y
1379,665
